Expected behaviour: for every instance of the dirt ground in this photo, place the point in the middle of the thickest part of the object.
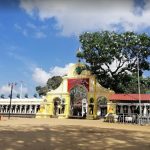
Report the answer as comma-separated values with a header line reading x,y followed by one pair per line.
x,y
71,134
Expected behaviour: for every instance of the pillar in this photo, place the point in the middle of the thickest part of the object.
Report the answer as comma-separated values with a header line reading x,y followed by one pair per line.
x,y
121,109
20,109
129,110
35,108
111,107
25,109
67,106
6,109
29,109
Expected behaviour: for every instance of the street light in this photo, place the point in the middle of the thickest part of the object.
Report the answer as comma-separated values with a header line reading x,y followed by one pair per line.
x,y
11,91
139,89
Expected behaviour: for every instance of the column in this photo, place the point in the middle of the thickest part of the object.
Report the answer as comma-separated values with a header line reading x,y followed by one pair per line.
x,y
6,109
30,109
2,108
129,110
15,111
121,109
20,108
25,109
35,108
145,113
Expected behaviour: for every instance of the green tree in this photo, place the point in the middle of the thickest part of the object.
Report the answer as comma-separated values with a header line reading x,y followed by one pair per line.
x,y
112,57
54,82
41,90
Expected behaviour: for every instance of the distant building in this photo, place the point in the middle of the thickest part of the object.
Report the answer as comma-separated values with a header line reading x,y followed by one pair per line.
x,y
129,103
20,106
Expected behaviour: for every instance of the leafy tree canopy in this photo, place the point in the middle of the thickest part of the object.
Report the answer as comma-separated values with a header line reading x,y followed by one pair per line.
x,y
113,57
52,84
41,90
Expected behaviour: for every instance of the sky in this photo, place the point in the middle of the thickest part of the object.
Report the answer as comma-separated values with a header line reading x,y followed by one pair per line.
x,y
39,38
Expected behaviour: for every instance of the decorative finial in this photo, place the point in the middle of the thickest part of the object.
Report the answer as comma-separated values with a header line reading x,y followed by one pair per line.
x,y
78,54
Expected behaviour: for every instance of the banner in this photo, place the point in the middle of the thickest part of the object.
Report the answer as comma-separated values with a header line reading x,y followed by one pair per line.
x,y
74,82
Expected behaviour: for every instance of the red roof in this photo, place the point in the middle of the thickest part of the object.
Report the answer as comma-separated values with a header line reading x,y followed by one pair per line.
x,y
130,97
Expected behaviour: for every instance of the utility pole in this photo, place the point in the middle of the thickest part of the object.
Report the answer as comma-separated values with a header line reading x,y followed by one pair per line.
x,y
139,89
11,91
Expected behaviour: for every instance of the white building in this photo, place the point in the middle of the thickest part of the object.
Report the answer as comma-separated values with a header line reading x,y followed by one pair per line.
x,y
20,106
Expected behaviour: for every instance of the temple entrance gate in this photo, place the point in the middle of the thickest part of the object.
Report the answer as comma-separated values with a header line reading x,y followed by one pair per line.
x,y
80,91
78,101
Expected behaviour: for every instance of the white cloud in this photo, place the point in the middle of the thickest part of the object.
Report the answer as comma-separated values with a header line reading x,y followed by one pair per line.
x,y
5,89
31,30
21,29
74,17
41,76
40,35
113,66
31,25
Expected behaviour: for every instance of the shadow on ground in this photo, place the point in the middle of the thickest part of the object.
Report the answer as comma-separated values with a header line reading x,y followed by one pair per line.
x,y
71,138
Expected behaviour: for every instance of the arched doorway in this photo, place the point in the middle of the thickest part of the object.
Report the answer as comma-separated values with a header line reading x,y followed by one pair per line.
x,y
57,102
78,101
102,106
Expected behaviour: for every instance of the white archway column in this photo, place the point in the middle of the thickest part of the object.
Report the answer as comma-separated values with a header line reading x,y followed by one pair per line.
x,y
25,109
2,108
30,109
129,110
20,109
35,108
15,109
6,109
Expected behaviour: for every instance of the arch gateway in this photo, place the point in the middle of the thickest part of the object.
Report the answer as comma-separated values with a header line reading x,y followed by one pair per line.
x,y
78,96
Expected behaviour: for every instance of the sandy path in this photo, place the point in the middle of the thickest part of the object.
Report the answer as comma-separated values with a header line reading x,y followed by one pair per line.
x,y
67,134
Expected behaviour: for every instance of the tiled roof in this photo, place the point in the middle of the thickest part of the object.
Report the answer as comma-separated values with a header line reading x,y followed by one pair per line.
x,y
130,97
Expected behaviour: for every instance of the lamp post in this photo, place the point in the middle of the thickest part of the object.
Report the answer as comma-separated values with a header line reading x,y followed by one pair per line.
x,y
11,91
139,89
